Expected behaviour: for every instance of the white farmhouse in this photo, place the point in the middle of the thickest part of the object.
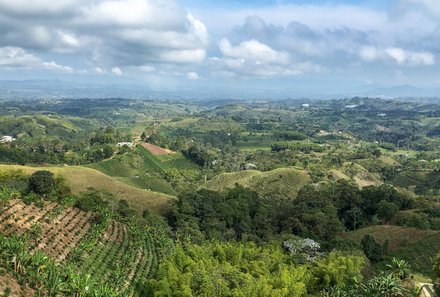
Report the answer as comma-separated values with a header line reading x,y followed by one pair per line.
x,y
7,139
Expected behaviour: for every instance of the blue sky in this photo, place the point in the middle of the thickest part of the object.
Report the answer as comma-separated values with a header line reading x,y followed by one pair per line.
x,y
208,45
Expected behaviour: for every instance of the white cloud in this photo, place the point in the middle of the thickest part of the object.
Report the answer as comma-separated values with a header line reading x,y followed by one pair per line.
x,y
397,55
106,32
99,70
402,57
253,50
182,56
117,71
15,57
192,76
253,58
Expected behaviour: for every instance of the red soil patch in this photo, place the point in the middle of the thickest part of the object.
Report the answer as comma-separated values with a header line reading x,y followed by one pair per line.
x,y
156,150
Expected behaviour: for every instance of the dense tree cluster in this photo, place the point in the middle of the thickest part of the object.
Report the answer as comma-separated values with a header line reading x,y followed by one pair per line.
x,y
317,212
244,269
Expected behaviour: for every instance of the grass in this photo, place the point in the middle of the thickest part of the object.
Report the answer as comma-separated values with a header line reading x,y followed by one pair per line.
x,y
396,235
410,178
255,142
80,179
283,183
420,254
143,170
417,247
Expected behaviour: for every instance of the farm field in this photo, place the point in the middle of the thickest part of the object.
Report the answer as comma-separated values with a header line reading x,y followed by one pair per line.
x,y
9,283
156,150
119,256
60,229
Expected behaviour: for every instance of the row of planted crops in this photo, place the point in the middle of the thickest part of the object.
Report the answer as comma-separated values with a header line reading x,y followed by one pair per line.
x,y
60,250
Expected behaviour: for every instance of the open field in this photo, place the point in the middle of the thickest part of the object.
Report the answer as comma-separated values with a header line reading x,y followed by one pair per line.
x,y
417,247
397,236
80,179
156,150
420,254
279,183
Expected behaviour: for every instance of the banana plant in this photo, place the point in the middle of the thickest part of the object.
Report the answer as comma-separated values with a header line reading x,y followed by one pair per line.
x,y
400,268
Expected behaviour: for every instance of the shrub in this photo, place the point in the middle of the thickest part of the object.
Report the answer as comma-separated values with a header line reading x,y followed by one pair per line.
x,y
371,248
41,182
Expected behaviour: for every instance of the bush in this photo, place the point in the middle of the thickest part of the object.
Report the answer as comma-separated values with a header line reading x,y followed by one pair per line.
x,y
412,219
386,210
371,248
41,182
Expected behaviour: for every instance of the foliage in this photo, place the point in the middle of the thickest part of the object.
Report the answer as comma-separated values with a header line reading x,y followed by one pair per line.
x,y
244,269
41,182
371,248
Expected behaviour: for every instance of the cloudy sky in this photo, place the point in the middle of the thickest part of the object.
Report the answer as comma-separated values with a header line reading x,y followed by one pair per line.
x,y
168,44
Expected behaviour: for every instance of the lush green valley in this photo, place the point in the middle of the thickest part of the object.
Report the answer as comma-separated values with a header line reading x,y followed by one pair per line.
x,y
106,197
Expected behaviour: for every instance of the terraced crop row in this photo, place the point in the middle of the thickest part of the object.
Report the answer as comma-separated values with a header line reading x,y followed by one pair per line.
x,y
125,260
59,230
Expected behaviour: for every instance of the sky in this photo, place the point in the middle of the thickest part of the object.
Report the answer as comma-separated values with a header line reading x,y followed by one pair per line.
x,y
211,45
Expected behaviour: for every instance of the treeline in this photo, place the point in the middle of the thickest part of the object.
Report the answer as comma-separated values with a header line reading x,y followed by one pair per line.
x,y
305,147
92,147
318,212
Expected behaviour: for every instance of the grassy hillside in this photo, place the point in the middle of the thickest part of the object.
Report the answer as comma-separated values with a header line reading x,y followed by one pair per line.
x,y
81,178
42,125
135,171
396,235
279,183
417,247
420,253
143,170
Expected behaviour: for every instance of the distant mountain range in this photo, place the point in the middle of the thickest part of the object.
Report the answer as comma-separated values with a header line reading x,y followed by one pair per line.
x,y
46,89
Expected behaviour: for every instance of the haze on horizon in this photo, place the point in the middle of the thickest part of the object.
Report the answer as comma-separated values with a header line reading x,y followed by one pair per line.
x,y
334,45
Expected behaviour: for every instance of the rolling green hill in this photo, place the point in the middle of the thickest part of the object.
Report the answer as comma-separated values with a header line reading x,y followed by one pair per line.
x,y
143,170
279,183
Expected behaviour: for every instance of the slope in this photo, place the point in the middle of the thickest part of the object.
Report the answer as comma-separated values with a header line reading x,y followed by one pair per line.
x,y
80,179
280,183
